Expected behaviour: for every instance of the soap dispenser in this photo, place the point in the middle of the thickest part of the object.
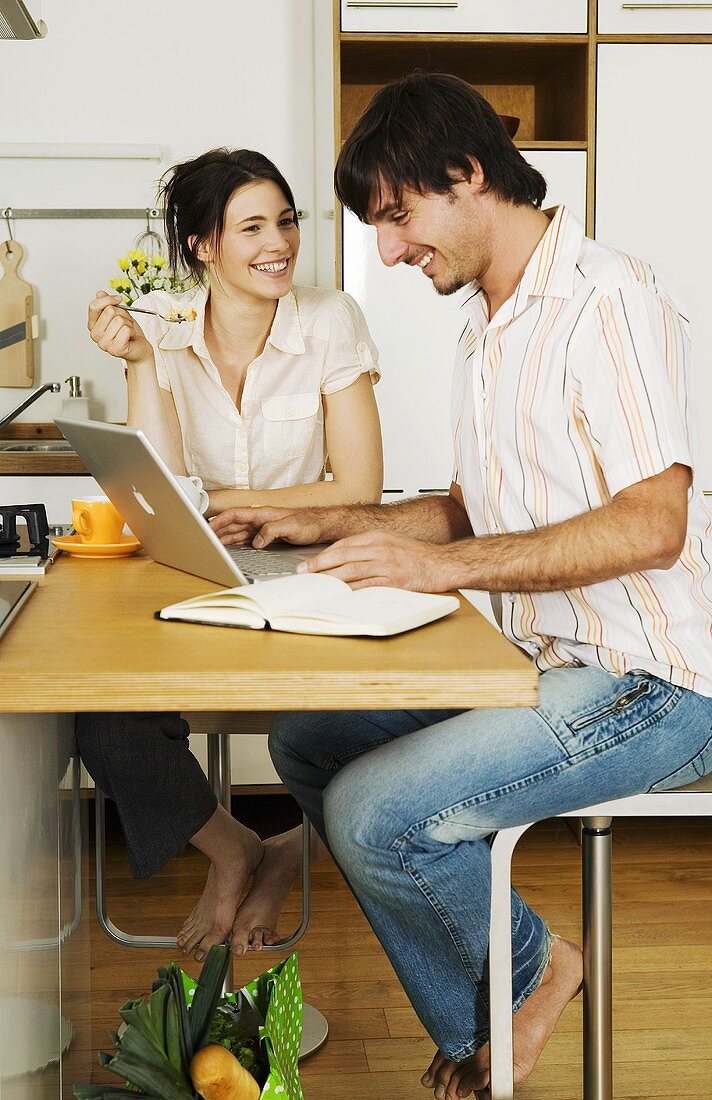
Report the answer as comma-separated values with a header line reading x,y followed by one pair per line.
x,y
75,406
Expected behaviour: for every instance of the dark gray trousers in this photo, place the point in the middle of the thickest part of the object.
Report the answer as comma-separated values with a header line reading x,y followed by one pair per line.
x,y
144,763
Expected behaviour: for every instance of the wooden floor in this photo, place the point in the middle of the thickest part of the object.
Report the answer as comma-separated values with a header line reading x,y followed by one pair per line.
x,y
377,1049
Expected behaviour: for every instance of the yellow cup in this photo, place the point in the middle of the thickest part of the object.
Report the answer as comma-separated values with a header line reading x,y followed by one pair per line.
x,y
96,521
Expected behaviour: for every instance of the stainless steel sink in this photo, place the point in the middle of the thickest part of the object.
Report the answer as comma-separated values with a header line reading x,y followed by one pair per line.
x,y
35,446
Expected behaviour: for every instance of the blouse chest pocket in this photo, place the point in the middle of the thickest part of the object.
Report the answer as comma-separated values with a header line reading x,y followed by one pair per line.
x,y
290,422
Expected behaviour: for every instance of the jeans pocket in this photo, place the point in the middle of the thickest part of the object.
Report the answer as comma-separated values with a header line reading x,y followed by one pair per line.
x,y
690,772
633,702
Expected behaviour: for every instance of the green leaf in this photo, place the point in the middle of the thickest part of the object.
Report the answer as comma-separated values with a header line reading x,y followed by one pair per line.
x,y
157,1003
149,1078
133,1041
173,1042
208,993
184,1036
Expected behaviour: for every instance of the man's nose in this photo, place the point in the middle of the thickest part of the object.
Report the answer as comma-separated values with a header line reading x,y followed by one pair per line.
x,y
390,248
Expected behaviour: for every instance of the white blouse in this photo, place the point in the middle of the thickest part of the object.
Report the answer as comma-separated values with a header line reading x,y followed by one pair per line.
x,y
318,344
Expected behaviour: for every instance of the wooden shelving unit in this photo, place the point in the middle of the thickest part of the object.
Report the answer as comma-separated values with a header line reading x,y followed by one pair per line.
x,y
542,81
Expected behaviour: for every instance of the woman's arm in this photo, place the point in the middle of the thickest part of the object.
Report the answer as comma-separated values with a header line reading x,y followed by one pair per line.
x,y
149,407
353,440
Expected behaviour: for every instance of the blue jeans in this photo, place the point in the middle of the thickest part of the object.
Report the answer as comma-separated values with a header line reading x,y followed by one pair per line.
x,y
406,802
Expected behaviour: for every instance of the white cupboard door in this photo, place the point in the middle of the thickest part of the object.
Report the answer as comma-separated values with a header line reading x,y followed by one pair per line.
x,y
652,185
465,16
637,17
416,332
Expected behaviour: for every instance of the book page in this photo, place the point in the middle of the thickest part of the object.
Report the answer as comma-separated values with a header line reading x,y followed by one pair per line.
x,y
280,596
376,611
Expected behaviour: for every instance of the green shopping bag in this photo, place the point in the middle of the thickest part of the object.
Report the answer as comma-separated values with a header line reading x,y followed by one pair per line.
x,y
260,1024
275,999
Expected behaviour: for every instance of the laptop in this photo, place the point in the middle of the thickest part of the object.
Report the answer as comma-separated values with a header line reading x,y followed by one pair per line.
x,y
142,488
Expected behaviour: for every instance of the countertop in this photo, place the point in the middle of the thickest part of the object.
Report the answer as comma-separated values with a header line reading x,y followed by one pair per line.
x,y
20,463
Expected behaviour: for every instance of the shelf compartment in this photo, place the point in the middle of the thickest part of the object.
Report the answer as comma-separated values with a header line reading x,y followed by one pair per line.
x,y
543,83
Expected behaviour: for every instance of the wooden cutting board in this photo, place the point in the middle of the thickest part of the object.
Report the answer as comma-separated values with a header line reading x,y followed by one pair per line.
x,y
17,354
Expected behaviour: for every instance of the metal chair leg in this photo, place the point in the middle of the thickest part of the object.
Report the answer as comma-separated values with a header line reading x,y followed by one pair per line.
x,y
500,964
315,1024
597,960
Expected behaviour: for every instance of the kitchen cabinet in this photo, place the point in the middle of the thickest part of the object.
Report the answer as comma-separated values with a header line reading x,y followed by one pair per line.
x,y
474,16
652,183
627,17
416,332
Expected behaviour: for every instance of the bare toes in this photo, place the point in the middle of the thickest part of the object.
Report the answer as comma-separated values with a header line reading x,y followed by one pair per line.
x,y
428,1078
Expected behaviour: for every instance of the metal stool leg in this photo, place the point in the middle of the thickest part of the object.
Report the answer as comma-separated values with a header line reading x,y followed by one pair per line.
x,y
316,1027
597,960
500,964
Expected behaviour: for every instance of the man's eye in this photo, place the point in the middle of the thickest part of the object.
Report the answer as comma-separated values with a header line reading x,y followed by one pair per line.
x,y
401,217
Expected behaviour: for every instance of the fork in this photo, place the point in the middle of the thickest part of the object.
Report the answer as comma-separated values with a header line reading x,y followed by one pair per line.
x,y
155,313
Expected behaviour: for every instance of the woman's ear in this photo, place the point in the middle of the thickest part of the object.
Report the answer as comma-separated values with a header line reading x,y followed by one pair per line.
x,y
199,249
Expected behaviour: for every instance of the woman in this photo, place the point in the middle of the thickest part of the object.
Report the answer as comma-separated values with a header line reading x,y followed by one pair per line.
x,y
252,393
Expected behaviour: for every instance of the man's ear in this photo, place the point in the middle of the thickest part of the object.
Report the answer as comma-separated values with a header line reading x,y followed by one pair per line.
x,y
200,249
477,178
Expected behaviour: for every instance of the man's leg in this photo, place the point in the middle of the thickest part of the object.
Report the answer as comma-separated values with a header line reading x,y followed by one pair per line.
x,y
407,817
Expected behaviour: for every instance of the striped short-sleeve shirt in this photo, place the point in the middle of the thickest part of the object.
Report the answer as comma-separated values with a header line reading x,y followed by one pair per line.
x,y
577,388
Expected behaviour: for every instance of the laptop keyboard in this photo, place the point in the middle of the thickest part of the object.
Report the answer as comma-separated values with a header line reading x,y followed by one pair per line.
x,y
262,563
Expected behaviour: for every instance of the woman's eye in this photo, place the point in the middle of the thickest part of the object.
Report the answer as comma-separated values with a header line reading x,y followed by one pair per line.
x,y
250,228
288,221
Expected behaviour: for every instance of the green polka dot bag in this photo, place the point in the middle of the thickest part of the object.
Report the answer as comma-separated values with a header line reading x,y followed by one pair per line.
x,y
275,998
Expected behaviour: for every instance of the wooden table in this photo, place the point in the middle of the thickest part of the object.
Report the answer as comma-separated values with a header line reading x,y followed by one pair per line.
x,y
87,640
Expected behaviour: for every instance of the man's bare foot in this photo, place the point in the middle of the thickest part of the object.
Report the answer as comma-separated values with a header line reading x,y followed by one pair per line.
x,y
532,1027
235,853
256,918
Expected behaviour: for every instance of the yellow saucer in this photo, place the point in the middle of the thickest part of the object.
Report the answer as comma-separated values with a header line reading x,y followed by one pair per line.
x,y
71,544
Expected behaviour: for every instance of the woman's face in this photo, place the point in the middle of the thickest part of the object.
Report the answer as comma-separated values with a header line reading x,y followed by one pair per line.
x,y
260,243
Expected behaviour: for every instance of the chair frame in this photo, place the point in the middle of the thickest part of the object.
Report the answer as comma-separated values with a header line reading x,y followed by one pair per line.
x,y
694,801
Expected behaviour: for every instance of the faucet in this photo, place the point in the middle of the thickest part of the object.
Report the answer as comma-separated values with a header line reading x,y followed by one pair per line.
x,y
54,387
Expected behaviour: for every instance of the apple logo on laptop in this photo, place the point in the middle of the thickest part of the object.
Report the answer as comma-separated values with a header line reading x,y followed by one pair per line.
x,y
142,501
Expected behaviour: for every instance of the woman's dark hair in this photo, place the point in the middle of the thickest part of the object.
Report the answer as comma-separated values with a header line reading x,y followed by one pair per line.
x,y
196,193
418,133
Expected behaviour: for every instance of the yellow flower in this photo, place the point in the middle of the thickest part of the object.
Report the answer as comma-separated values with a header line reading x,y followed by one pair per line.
x,y
158,261
124,263
123,285
137,256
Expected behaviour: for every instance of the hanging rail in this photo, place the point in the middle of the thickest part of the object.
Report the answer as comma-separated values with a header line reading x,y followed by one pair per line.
x,y
88,214
137,214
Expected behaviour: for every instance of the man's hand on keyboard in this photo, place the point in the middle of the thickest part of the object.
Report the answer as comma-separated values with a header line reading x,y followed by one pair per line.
x,y
262,526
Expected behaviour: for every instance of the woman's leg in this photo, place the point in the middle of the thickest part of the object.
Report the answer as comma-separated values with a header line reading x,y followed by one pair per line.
x,y
143,762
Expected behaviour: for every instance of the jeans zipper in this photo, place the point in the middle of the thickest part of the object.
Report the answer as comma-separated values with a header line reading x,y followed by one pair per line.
x,y
620,704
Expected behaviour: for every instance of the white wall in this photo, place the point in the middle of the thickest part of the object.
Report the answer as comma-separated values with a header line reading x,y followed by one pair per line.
x,y
183,75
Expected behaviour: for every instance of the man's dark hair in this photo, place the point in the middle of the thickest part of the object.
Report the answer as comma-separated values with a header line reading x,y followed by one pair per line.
x,y
196,193
418,133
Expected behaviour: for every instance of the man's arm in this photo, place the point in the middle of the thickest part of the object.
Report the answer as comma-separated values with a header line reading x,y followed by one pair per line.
x,y
438,519
642,528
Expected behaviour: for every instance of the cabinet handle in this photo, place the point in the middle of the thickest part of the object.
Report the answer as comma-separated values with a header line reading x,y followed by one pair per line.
x,y
666,7
402,3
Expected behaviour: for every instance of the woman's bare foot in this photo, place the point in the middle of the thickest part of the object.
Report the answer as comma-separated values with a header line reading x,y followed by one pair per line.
x,y
532,1027
235,853
255,920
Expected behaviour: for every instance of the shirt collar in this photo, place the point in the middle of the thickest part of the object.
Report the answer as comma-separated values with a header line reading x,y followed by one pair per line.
x,y
549,273
285,334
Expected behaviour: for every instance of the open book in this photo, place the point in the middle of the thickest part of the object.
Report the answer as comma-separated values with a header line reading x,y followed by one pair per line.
x,y
313,603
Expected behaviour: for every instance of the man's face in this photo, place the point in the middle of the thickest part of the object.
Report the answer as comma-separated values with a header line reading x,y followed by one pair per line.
x,y
446,236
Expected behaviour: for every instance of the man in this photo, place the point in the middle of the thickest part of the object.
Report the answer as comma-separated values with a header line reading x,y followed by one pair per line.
x,y
572,498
